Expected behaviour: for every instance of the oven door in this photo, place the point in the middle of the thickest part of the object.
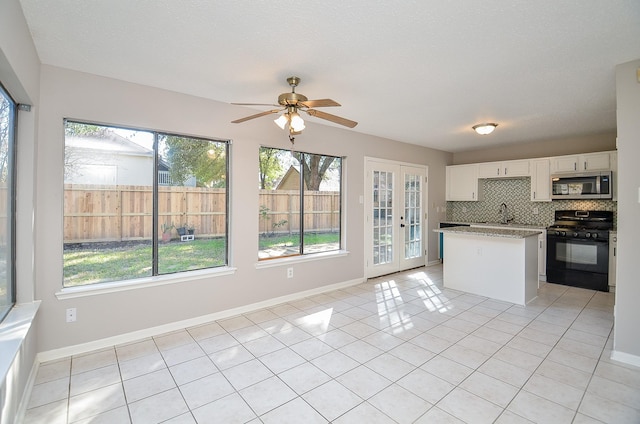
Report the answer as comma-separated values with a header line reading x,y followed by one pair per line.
x,y
578,262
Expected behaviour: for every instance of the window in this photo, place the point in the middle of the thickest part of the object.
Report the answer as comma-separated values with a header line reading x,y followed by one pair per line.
x,y
141,203
300,203
7,202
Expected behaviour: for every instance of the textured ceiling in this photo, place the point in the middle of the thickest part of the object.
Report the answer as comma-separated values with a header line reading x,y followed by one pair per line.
x,y
421,72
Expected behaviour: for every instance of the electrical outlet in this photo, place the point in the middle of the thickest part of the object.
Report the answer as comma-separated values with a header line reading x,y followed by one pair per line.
x,y
479,251
289,272
535,211
71,315
464,209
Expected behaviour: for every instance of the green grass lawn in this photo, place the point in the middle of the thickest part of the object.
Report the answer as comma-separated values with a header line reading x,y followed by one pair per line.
x,y
88,266
99,264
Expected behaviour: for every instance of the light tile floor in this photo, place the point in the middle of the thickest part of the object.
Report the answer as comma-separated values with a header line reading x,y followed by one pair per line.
x,y
396,349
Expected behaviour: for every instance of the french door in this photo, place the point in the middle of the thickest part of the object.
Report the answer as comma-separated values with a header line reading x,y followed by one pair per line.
x,y
395,219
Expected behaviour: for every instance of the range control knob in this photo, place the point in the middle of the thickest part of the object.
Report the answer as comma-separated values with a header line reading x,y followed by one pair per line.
x,y
575,234
594,235
587,235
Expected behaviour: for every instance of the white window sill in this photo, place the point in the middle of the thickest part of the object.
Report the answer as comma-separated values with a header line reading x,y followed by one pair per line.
x,y
141,283
289,260
13,332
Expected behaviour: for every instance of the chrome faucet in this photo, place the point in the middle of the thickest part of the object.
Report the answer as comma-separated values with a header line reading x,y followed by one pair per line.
x,y
504,214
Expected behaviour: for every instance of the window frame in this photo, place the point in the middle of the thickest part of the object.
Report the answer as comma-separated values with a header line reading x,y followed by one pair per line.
x,y
302,256
12,139
156,278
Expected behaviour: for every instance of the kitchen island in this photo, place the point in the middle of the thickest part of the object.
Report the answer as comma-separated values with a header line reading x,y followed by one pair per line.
x,y
493,262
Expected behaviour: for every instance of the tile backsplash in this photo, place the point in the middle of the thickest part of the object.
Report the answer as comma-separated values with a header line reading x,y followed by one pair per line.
x,y
515,193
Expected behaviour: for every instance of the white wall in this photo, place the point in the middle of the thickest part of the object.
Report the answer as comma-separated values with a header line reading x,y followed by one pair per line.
x,y
20,75
626,341
68,94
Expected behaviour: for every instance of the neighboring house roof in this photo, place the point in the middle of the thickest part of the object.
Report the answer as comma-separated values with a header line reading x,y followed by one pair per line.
x,y
110,142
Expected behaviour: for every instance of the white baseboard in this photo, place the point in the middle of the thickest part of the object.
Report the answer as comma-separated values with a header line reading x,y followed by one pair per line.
x,y
627,358
26,395
134,336
436,262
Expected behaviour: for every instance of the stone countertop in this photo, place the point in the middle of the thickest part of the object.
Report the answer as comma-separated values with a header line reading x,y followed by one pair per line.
x,y
498,224
490,232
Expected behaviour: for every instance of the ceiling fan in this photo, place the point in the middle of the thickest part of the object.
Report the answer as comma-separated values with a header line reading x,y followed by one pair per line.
x,y
293,103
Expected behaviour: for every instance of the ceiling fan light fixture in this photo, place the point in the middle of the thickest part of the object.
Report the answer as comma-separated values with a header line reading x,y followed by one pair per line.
x,y
297,123
484,129
281,121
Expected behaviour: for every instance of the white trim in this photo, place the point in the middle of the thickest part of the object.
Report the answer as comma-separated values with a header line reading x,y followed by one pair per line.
x,y
13,332
627,358
179,325
26,394
142,283
288,260
431,263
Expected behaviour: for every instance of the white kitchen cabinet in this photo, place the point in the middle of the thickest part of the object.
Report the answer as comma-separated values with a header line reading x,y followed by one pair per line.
x,y
586,162
462,183
507,169
540,180
613,259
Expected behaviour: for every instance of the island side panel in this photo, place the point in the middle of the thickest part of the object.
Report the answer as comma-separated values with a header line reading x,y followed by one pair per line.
x,y
496,267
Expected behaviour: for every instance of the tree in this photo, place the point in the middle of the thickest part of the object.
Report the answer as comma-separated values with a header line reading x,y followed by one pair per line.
x,y
270,167
5,132
203,159
315,167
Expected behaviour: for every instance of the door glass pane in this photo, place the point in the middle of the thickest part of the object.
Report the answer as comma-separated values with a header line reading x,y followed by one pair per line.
x,y
412,215
383,218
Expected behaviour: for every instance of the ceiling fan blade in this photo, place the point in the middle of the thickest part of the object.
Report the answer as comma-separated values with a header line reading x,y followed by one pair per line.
x,y
320,103
254,104
257,115
333,118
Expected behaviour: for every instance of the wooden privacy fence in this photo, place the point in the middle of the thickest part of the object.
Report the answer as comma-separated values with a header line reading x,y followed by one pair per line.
x,y
100,213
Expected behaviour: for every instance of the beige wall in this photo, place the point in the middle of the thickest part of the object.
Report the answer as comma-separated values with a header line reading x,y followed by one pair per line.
x,y
626,341
539,149
68,94
20,75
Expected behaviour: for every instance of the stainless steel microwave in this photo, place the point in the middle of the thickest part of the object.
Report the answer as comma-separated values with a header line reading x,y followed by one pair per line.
x,y
584,185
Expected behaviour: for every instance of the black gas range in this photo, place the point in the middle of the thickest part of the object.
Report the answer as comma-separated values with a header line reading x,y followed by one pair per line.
x,y
578,249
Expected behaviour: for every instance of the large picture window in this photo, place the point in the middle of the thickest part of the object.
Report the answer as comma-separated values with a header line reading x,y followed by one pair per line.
x,y
7,201
141,203
300,203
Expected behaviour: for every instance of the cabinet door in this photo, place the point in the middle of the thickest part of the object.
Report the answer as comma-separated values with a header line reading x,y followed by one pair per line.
x,y
462,182
516,168
490,170
564,164
540,181
595,162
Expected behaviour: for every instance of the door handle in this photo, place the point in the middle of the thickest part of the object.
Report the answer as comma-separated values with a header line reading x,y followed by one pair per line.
x,y
401,225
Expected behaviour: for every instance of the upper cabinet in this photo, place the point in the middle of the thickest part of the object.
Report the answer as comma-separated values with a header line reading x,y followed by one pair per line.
x,y
508,169
540,180
600,161
462,182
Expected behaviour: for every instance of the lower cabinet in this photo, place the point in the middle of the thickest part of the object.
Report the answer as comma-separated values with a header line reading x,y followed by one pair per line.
x,y
542,245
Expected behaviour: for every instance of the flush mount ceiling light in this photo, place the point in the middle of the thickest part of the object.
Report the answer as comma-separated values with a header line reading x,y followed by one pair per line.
x,y
484,129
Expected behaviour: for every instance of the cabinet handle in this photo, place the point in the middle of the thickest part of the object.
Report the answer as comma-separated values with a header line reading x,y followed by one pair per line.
x,y
505,171
534,195
575,166
585,165
498,172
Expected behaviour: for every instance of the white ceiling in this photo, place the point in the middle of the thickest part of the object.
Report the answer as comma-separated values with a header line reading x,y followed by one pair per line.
x,y
421,71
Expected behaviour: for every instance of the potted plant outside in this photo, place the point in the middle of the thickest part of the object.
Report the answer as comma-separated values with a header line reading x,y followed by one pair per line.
x,y
166,231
